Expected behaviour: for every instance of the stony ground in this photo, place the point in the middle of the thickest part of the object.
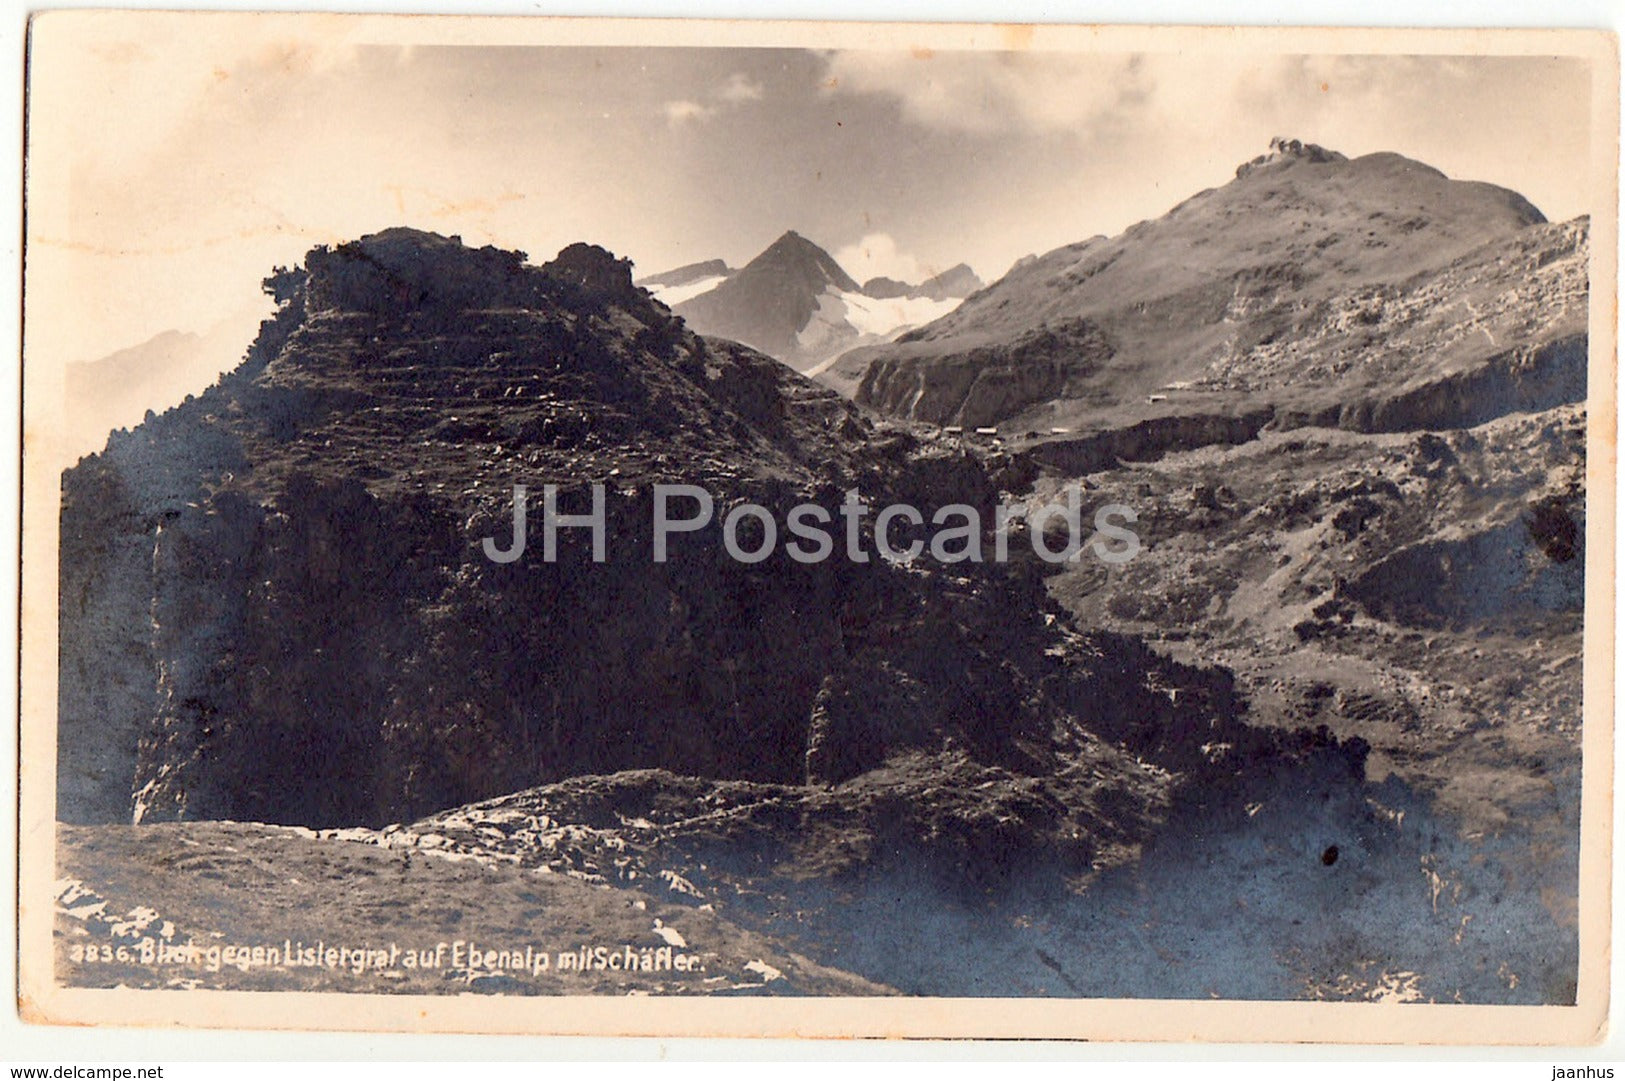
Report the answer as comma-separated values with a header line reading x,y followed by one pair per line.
x,y
1303,884
264,908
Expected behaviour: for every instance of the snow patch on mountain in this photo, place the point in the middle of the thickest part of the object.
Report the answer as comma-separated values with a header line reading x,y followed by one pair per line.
x,y
673,295
895,315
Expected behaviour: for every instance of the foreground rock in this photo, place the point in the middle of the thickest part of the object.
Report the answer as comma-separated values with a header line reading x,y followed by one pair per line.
x,y
247,907
276,606
1301,883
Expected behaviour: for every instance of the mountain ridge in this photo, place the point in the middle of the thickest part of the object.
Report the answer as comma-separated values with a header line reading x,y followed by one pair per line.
x,y
683,275
1186,299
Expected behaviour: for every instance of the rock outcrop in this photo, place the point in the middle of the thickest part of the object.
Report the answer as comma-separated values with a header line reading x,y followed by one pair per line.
x,y
276,607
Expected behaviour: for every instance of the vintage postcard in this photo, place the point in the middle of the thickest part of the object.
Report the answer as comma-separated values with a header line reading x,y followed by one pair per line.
x,y
613,527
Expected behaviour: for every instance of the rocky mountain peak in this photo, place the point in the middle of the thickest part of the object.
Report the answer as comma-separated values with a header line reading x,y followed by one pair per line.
x,y
403,270
794,256
1217,302
772,299
1284,150
884,288
957,281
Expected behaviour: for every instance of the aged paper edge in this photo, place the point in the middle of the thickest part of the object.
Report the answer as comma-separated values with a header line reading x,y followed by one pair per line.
x,y
42,1001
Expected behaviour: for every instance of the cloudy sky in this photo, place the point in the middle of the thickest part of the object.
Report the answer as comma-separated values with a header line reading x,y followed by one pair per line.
x,y
172,170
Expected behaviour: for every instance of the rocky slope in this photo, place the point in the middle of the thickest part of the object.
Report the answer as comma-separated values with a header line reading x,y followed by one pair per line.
x,y
794,302
968,778
1422,592
1374,294
170,901
1358,470
1293,882
275,605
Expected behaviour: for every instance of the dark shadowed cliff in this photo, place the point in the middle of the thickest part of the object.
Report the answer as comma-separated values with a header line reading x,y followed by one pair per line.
x,y
275,605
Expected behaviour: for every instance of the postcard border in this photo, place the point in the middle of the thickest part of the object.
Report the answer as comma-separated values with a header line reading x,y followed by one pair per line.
x,y
43,1001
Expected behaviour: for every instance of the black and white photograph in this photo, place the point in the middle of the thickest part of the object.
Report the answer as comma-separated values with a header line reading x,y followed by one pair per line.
x,y
978,530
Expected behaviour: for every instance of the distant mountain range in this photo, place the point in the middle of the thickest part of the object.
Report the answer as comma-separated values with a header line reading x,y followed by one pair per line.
x,y
955,283
795,302
117,390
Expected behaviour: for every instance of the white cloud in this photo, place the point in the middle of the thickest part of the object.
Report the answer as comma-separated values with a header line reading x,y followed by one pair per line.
x,y
990,92
683,112
739,89
1188,97
877,256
